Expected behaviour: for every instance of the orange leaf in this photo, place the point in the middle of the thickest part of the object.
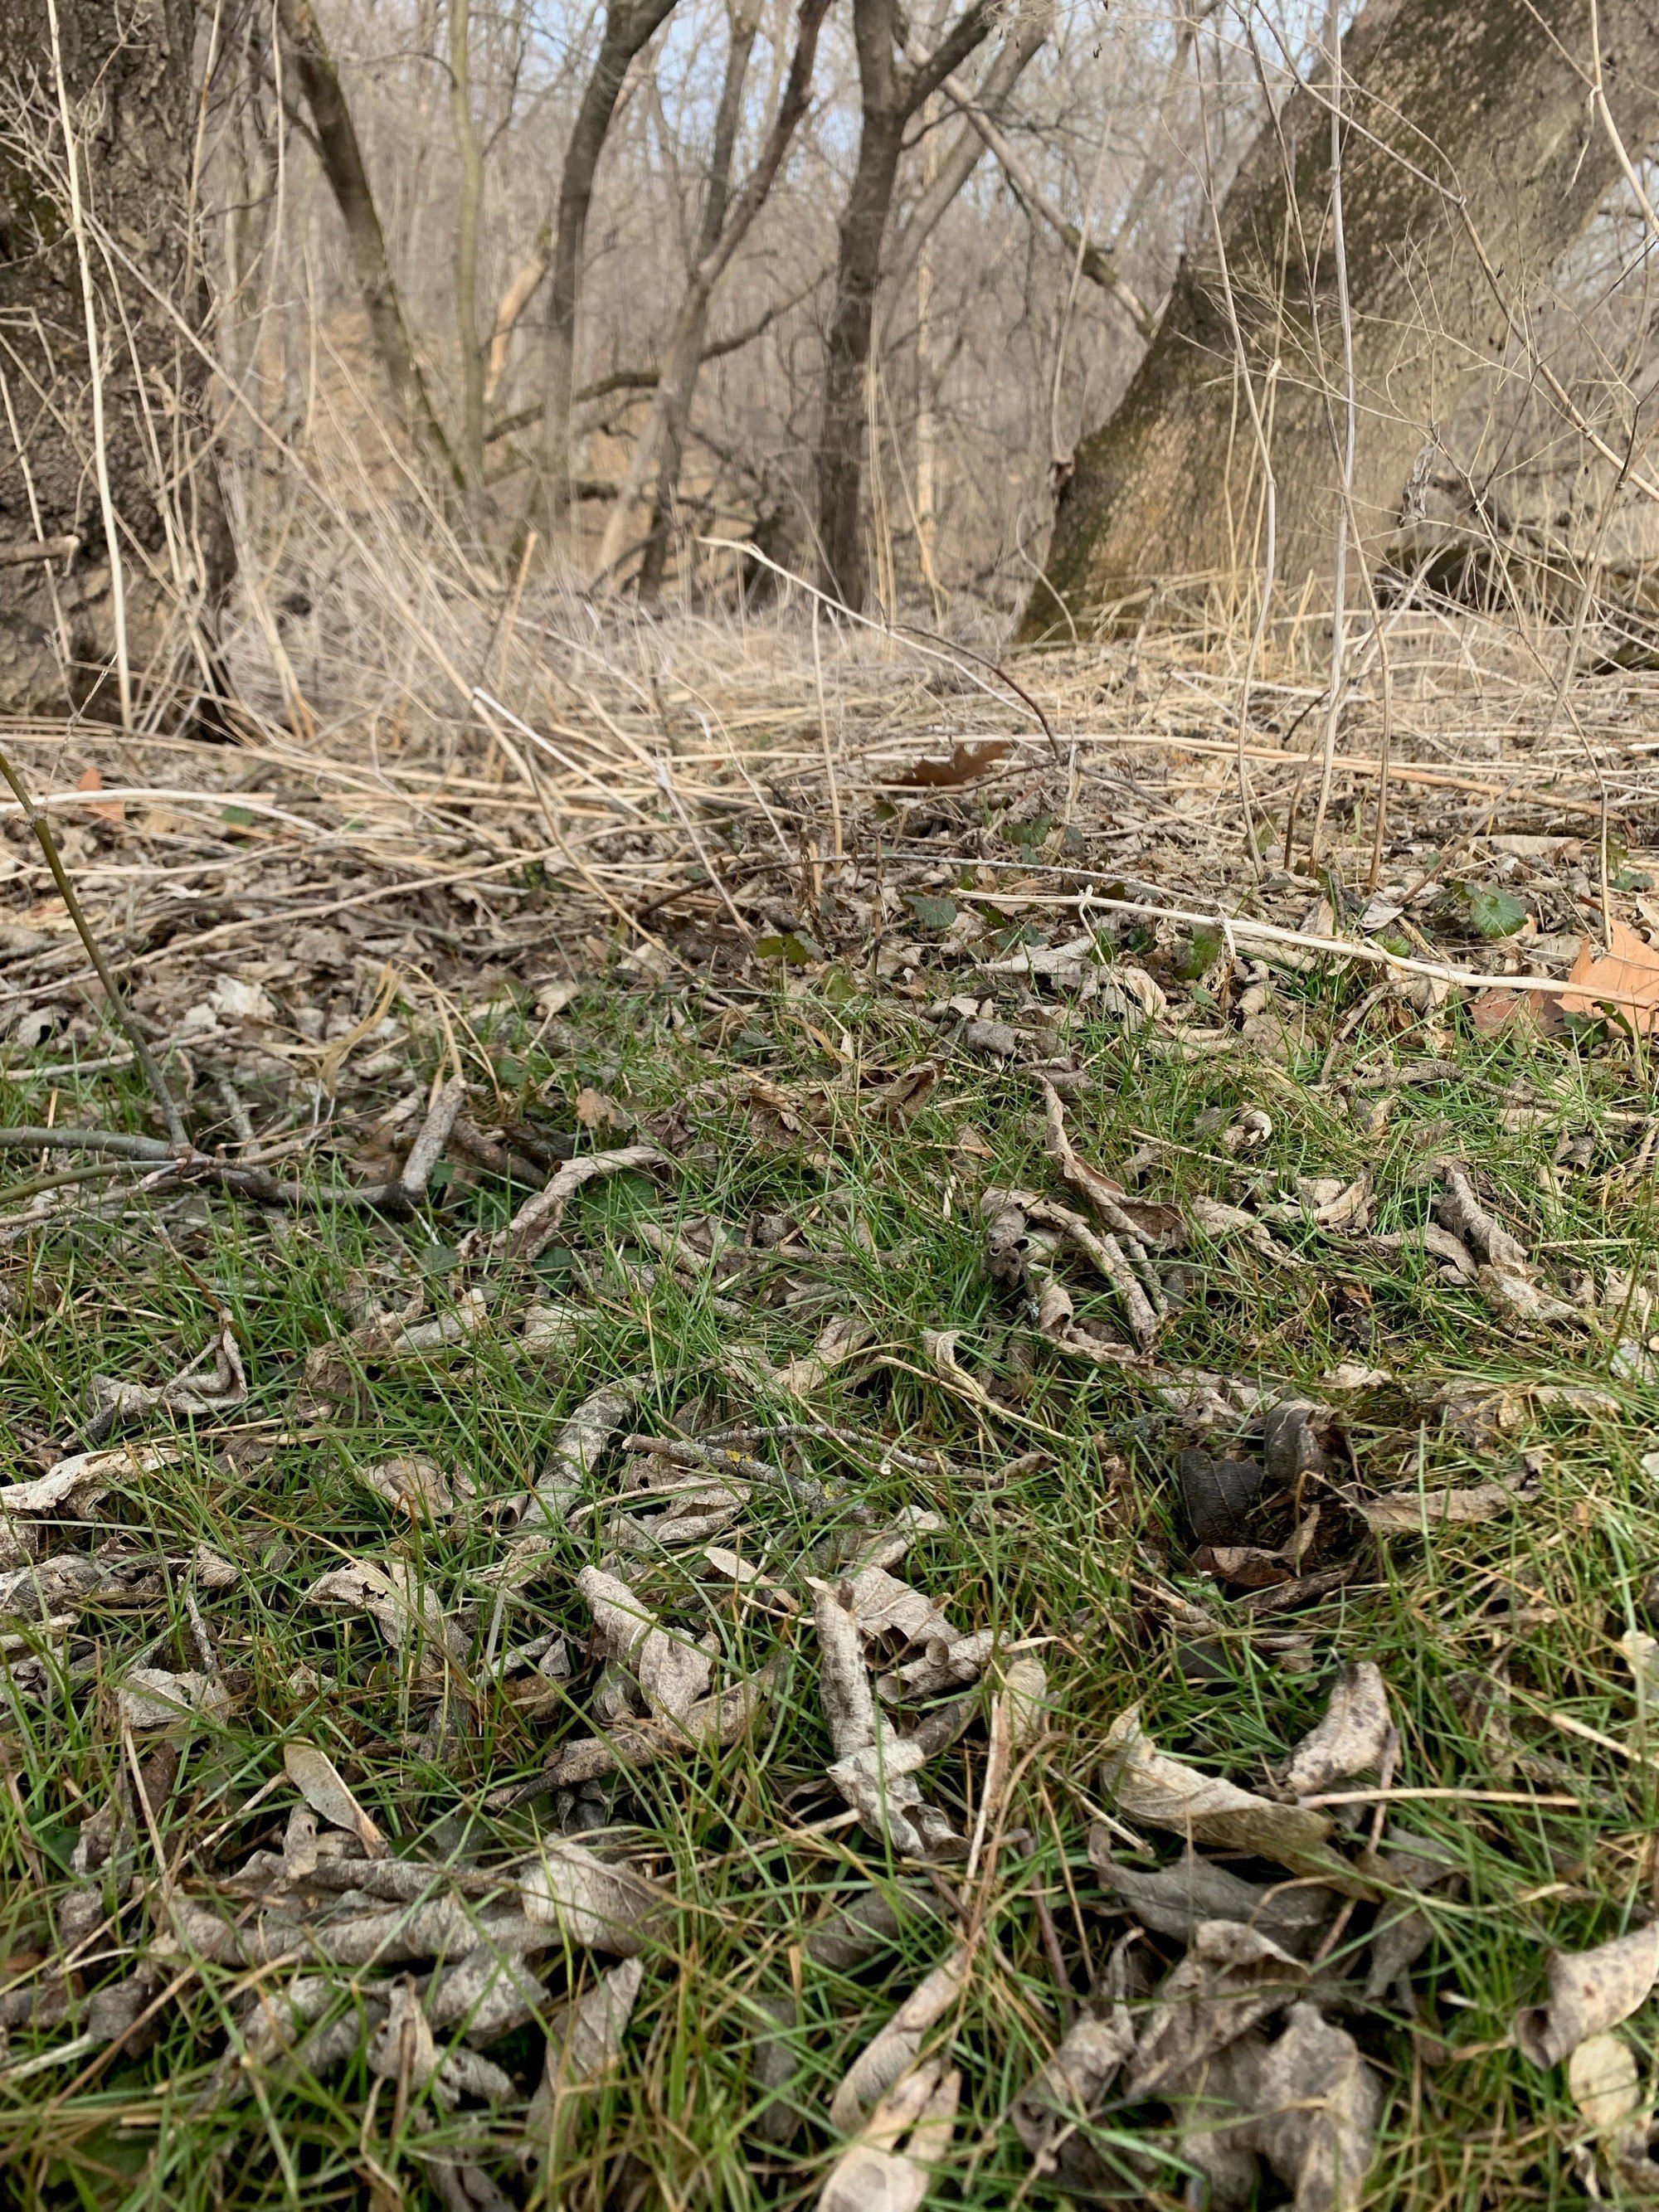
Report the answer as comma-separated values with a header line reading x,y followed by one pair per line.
x,y
966,762
1628,979
1494,1012
113,810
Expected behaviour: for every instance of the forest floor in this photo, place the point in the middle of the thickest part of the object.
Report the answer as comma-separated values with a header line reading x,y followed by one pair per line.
x,y
534,1631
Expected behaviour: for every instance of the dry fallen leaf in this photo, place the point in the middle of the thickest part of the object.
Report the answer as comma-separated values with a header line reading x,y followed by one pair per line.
x,y
875,1767
1410,1512
895,2050
710,1724
671,1672
413,1485
906,1095
1175,1898
579,1446
585,2039
1219,1220
1143,1784
1590,1992
596,1109
875,2175
407,1610
584,2045
1603,2077
1350,1740
73,1487
1629,970
535,1224
839,1341
198,1395
965,761
1231,1978
1025,1680
319,1782
112,810
1498,1013
589,1900
1073,2083
1217,1494
151,1697
1308,2104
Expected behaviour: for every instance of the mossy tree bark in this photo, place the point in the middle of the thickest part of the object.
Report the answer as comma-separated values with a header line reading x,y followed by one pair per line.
x,y
102,427
1474,161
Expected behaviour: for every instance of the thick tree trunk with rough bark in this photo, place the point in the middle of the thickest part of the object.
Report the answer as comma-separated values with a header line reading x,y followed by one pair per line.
x,y
1473,160
102,429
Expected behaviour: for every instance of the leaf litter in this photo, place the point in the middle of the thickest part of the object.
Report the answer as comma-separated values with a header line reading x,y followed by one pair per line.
x,y
660,1617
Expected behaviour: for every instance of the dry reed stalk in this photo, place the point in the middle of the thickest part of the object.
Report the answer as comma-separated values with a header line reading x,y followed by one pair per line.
x,y
95,371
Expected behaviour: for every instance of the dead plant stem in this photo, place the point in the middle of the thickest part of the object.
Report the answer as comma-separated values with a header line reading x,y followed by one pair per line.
x,y
95,371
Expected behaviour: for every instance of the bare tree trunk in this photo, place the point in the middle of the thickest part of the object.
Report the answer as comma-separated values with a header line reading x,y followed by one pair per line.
x,y
946,173
104,443
525,282
890,95
676,414
926,374
628,25
341,158
469,216
1475,160
663,432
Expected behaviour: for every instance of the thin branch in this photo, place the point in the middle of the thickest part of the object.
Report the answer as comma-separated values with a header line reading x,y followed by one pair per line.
x,y
118,1005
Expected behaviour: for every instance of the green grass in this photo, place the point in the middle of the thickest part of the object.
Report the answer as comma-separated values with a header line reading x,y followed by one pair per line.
x,y
1070,1549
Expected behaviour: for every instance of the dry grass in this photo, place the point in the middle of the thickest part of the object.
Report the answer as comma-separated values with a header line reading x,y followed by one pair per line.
x,y
735,871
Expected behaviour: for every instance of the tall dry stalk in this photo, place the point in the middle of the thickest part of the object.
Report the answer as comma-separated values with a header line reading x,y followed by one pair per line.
x,y
1345,447
95,370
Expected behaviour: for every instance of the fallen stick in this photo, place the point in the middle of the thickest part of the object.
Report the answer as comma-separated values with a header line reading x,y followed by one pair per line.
x,y
1234,927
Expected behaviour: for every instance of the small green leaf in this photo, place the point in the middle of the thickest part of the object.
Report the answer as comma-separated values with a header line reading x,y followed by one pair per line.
x,y
1196,955
1491,913
932,913
242,816
797,946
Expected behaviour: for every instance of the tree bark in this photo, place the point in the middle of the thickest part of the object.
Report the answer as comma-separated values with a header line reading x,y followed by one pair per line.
x,y
944,174
890,95
746,25
1472,160
665,421
347,174
628,25
469,218
721,232
103,422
